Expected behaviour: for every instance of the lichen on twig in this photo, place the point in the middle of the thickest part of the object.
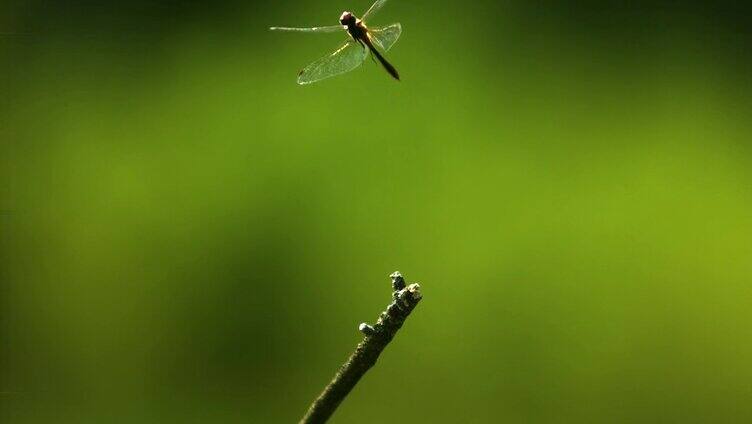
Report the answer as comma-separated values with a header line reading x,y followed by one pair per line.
x,y
377,337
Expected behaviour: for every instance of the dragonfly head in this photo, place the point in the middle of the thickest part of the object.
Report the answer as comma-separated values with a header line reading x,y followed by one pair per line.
x,y
347,19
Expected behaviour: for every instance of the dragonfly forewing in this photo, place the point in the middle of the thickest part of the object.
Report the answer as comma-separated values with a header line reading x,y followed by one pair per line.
x,y
321,29
378,4
344,59
386,37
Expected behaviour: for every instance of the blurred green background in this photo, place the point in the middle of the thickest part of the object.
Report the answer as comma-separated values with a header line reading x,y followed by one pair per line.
x,y
186,235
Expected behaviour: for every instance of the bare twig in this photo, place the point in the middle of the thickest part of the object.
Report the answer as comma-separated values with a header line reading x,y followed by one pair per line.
x,y
404,299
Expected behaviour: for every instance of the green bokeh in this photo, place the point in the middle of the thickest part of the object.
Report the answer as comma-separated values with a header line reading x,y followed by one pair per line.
x,y
186,235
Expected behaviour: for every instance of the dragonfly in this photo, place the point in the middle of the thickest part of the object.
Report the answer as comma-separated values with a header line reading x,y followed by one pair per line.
x,y
354,51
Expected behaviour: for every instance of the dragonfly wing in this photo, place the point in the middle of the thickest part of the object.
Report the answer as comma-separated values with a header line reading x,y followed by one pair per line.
x,y
332,28
344,59
386,37
378,4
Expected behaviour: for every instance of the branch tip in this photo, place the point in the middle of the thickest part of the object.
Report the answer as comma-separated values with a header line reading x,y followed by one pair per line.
x,y
398,281
378,336
414,290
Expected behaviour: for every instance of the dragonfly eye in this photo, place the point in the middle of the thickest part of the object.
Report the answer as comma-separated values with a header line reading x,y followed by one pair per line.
x,y
346,18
